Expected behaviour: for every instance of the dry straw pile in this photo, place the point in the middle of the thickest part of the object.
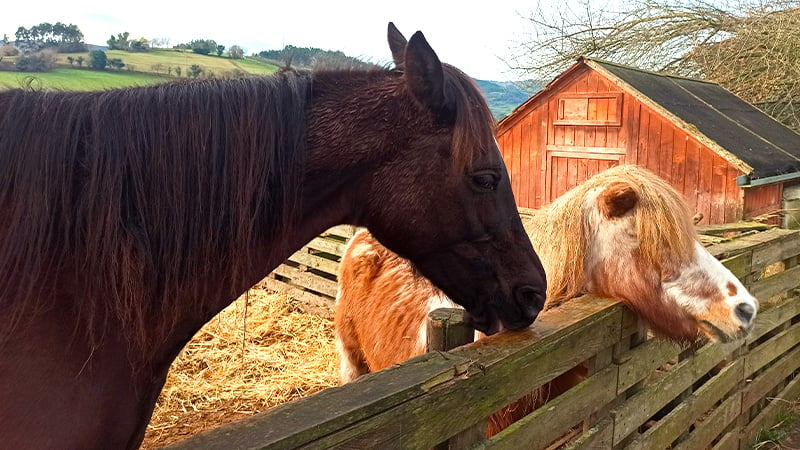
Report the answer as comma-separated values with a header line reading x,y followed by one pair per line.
x,y
259,352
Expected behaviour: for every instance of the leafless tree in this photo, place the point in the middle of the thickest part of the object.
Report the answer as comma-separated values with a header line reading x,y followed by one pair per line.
x,y
751,47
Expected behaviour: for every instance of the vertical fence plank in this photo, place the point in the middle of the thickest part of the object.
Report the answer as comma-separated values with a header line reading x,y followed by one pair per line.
x,y
448,329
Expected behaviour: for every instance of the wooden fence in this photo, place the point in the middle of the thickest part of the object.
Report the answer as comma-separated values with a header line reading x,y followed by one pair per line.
x,y
309,275
641,393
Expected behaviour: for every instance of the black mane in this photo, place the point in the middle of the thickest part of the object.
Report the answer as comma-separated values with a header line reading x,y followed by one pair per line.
x,y
141,191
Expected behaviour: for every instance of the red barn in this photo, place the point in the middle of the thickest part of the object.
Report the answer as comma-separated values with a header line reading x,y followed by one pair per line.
x,y
729,159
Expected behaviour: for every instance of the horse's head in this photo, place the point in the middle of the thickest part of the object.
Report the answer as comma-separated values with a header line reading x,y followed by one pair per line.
x,y
437,191
642,247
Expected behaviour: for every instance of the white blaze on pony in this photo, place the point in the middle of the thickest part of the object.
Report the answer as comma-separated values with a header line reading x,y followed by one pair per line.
x,y
624,233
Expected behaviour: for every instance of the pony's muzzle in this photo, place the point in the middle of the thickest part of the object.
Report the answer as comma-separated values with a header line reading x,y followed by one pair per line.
x,y
745,312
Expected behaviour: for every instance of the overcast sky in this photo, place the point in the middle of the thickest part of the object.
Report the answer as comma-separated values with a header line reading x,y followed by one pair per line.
x,y
473,36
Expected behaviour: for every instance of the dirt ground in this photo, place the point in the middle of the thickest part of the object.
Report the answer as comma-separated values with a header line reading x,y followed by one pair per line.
x,y
235,368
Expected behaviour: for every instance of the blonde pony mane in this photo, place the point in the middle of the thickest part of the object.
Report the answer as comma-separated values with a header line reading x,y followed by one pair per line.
x,y
560,232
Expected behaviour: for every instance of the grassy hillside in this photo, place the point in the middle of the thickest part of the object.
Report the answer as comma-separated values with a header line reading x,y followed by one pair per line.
x,y
164,61
77,80
156,66
159,65
504,96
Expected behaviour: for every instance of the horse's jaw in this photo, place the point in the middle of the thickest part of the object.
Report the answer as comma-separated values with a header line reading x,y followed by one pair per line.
x,y
720,304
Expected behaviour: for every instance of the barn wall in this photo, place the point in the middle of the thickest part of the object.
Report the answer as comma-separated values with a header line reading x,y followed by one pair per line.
x,y
548,153
761,200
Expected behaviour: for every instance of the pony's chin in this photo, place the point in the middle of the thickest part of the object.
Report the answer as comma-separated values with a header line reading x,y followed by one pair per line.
x,y
717,334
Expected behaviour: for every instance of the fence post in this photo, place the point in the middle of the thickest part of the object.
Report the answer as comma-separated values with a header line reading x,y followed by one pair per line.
x,y
448,329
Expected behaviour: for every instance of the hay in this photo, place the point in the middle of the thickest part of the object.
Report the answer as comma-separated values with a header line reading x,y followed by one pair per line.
x,y
233,368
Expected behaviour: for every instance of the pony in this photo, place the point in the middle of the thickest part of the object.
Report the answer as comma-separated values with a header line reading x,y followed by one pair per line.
x,y
132,216
624,233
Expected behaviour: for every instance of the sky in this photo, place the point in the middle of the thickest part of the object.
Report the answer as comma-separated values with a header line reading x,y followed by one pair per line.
x,y
477,39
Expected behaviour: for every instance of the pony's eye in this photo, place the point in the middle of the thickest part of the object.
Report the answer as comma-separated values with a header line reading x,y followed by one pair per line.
x,y
485,181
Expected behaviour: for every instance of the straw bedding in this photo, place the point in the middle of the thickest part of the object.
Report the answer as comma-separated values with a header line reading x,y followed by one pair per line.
x,y
235,367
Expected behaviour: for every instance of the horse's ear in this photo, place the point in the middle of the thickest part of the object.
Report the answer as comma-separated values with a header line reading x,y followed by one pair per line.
x,y
617,199
397,43
424,74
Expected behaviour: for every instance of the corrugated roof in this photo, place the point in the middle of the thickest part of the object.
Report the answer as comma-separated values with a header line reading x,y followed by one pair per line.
x,y
740,128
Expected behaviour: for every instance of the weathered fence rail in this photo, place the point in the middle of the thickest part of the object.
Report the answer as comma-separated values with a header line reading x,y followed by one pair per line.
x,y
641,393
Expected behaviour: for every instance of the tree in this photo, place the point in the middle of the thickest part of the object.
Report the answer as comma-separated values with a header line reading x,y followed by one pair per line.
x,y
309,56
220,50
750,47
194,71
98,60
41,61
236,52
116,63
8,50
140,45
70,60
203,46
67,38
159,42
79,60
120,42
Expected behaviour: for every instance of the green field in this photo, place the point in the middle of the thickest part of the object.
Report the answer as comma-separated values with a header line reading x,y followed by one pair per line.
x,y
77,80
162,60
140,69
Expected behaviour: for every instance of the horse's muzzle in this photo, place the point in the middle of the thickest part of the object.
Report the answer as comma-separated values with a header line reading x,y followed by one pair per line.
x,y
517,313
528,303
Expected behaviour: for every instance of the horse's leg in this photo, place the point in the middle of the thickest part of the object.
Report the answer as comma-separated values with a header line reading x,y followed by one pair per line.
x,y
351,359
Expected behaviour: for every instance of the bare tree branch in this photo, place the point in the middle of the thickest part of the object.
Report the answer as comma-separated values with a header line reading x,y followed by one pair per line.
x,y
751,47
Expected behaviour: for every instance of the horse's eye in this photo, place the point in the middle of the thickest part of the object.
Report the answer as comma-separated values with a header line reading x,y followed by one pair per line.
x,y
485,181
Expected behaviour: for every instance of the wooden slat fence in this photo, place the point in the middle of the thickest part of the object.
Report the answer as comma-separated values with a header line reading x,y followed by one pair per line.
x,y
641,393
309,275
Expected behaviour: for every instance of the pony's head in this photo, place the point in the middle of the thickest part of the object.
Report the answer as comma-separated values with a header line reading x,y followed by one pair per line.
x,y
626,233
438,192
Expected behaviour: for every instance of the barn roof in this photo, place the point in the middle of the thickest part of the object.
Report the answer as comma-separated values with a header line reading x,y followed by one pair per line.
x,y
735,129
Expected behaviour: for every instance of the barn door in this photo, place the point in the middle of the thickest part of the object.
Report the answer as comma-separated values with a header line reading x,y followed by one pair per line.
x,y
567,169
584,139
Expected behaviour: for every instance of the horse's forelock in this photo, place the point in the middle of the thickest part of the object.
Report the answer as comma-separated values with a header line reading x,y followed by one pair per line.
x,y
665,232
663,223
473,124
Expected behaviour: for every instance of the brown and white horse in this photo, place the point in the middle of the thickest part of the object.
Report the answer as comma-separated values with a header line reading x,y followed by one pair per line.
x,y
131,217
624,233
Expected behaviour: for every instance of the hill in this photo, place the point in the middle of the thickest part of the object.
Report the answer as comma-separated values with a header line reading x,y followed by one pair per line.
x,y
504,96
141,68
166,61
77,80
159,65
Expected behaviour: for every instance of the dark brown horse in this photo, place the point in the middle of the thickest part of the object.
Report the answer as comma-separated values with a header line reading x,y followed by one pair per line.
x,y
131,217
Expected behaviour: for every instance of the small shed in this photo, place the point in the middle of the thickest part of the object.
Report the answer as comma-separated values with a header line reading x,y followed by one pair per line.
x,y
730,160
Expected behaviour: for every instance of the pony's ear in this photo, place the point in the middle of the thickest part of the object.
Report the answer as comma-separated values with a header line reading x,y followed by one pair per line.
x,y
617,199
424,75
397,44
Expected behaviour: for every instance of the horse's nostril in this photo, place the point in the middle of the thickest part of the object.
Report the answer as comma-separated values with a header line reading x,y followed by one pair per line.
x,y
745,312
530,299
